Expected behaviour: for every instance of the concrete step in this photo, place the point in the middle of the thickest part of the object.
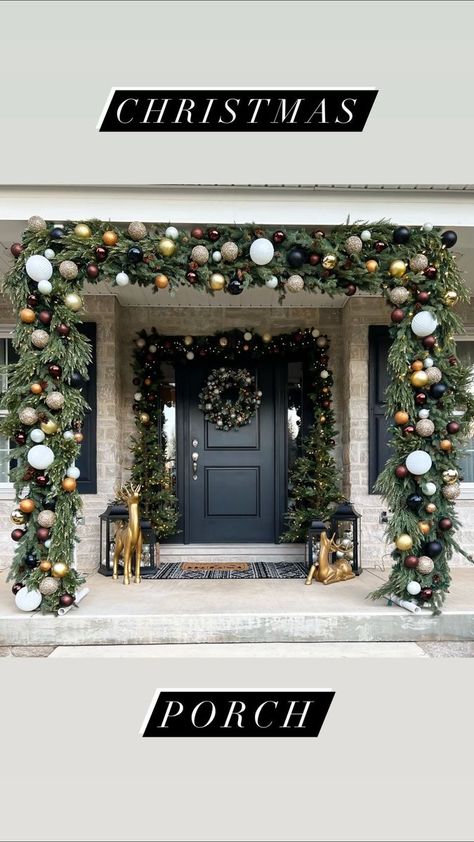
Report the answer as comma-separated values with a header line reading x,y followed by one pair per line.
x,y
220,553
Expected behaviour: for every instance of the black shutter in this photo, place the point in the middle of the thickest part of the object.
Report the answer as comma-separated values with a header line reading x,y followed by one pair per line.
x,y
87,461
379,379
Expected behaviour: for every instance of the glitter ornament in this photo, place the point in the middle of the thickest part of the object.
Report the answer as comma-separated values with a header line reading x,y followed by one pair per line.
x,y
68,270
46,518
55,400
39,338
229,251
418,263
452,491
433,374
399,296
48,586
425,427
200,255
28,416
295,283
36,223
136,230
353,245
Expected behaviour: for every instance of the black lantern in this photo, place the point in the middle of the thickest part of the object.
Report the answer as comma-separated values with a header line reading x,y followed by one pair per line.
x,y
118,512
314,539
345,526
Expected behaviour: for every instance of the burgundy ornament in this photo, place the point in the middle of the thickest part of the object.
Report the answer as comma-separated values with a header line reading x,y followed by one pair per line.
x,y
32,300
192,277
45,317
17,534
20,438
453,427
411,561
197,233
423,297
17,587
55,370
63,330
213,234
445,523
429,342
41,480
42,534
92,270
397,315
351,289
420,398
314,258
278,237
66,599
136,381
101,253
16,249
426,594
401,471
326,404
409,429
430,272
380,246
29,474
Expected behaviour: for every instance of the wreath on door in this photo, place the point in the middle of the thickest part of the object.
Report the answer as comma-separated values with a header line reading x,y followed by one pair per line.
x,y
229,398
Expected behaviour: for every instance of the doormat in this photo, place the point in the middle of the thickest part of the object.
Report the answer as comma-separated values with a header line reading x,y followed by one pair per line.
x,y
252,570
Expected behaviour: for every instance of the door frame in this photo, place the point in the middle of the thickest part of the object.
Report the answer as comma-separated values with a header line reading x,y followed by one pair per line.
x,y
183,433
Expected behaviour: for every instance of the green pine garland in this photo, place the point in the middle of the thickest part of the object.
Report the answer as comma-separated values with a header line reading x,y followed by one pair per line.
x,y
332,264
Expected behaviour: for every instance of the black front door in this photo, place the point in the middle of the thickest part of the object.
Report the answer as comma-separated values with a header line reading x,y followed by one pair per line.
x,y
233,493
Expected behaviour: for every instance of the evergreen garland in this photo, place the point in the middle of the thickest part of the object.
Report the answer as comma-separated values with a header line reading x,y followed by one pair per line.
x,y
343,261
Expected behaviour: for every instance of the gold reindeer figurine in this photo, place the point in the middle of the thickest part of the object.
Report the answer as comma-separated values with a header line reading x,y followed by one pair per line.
x,y
329,573
128,536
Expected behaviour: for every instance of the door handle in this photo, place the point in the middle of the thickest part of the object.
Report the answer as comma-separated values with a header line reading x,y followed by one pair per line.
x,y
194,458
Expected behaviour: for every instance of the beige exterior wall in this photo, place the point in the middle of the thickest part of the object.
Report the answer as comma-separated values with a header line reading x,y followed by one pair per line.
x,y
347,329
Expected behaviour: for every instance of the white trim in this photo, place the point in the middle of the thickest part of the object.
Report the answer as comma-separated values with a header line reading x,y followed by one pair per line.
x,y
467,488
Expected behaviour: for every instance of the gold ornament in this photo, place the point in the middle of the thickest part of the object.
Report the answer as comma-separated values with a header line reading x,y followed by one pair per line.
x,y
266,337
48,586
167,247
446,445
229,251
451,298
109,238
425,427
371,265
399,296
353,245
434,375
136,230
27,316
424,527
69,484
28,416
46,518
39,338
36,388
425,565
35,224
430,508
78,438
329,261
216,281
419,379
451,491
161,281
27,505
144,418
18,517
49,427
68,270
450,476
295,283
83,231
60,569
418,263
416,365
401,417
397,268
404,543
55,400
73,301
45,565
188,340
200,255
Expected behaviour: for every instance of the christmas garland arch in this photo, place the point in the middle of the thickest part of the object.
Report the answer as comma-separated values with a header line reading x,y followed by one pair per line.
x,y
413,268
229,398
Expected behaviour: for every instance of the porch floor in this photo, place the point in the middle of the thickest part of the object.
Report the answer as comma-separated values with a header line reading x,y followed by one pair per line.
x,y
244,611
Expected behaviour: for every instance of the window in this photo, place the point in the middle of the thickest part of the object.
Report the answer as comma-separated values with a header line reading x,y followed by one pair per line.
x,y
7,356
465,354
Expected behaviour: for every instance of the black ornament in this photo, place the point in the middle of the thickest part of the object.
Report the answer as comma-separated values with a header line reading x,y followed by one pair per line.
x,y
296,257
437,390
235,286
135,254
449,239
414,502
401,235
31,560
432,549
76,380
50,504
57,234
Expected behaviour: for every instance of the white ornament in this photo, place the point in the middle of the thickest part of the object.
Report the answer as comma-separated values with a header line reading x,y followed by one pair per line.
x,y
37,436
315,332
413,588
429,362
73,472
38,268
190,355
261,251
172,232
428,226
216,256
141,343
365,235
27,600
153,349
45,287
423,323
122,279
68,435
418,462
49,254
424,413
47,543
137,396
324,374
247,336
272,282
428,488
40,457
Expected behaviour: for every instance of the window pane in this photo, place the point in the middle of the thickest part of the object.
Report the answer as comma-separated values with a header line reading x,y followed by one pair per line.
x,y
4,462
465,354
3,361
295,410
167,392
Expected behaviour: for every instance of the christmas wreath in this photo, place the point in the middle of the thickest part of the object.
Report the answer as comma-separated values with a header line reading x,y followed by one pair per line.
x,y
229,398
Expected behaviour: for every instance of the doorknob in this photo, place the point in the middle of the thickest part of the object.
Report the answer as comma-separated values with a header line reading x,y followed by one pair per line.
x,y
195,457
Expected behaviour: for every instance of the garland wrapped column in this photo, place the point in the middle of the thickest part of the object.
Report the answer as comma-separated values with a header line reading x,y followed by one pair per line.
x,y
413,268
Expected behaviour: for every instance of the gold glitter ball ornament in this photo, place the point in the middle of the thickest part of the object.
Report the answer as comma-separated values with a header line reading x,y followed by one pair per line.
x,y
450,476
452,491
46,518
329,261
425,565
434,375
399,296
451,298
68,270
137,231
144,418
353,245
17,517
28,416
200,255
295,283
39,338
418,263
35,224
48,586
55,400
229,251
425,427
49,427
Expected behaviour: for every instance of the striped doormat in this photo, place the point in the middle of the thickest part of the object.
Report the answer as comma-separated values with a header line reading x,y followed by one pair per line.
x,y
232,570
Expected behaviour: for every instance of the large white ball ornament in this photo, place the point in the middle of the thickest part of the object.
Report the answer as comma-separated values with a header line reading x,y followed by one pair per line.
x,y
45,287
73,472
172,233
272,282
429,488
261,251
423,323
365,236
49,254
413,588
27,600
40,457
38,268
122,279
37,436
418,462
